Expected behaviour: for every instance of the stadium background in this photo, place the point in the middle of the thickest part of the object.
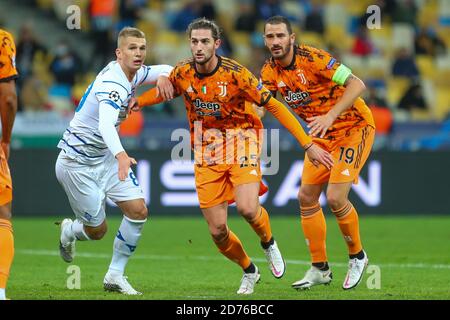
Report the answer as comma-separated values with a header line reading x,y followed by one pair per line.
x,y
405,65
409,94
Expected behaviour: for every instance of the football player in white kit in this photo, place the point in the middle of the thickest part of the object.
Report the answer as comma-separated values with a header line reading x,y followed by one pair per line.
x,y
93,165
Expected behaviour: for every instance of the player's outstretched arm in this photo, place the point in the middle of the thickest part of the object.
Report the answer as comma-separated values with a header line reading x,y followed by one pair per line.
x,y
8,109
320,124
315,153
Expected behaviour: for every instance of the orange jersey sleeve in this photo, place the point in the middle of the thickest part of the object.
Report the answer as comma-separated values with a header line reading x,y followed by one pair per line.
x,y
149,98
288,120
8,69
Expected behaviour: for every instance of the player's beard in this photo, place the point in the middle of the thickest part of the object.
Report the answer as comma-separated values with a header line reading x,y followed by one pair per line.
x,y
285,51
205,61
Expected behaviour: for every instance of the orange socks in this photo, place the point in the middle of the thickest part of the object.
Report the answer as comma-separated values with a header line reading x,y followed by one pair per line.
x,y
261,225
348,223
231,247
315,231
6,250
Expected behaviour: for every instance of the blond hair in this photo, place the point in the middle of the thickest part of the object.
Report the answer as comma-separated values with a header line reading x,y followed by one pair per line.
x,y
129,32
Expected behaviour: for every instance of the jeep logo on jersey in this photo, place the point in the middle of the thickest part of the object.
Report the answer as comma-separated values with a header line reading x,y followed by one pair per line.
x,y
293,97
199,104
114,96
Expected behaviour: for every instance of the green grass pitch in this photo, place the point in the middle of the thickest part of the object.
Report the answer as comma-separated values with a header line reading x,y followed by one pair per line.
x,y
176,259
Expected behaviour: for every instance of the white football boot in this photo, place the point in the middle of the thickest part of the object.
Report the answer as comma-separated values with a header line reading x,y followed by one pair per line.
x,y
275,260
248,282
313,277
66,247
118,283
355,272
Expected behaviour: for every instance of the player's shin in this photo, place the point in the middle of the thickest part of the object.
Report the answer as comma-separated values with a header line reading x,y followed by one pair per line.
x,y
348,221
231,247
125,244
315,231
261,225
6,253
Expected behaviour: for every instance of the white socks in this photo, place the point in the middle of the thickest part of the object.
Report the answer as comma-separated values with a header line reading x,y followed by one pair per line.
x,y
75,231
125,243
2,294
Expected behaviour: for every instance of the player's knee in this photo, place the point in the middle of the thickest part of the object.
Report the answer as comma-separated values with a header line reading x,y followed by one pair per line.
x,y
335,201
138,212
96,233
248,211
141,213
5,212
219,232
306,199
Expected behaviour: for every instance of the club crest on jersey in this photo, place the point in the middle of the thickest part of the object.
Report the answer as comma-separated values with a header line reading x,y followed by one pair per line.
x,y
223,88
114,96
302,77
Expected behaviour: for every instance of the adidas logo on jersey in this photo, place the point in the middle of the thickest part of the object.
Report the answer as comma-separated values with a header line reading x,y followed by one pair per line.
x,y
253,172
281,84
346,173
189,89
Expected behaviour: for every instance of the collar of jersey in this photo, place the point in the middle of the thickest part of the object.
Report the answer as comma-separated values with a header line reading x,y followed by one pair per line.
x,y
204,75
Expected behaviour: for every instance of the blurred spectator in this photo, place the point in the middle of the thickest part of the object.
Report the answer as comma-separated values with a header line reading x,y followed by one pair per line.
x,y
413,99
226,48
207,9
65,65
133,125
428,42
247,19
101,13
382,115
314,20
268,8
128,13
185,16
405,11
363,46
27,47
404,65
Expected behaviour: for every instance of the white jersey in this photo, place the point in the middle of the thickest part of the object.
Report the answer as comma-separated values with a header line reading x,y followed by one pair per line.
x,y
82,140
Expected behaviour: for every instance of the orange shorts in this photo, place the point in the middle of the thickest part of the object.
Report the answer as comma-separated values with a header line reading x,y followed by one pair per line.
x,y
5,181
215,184
349,154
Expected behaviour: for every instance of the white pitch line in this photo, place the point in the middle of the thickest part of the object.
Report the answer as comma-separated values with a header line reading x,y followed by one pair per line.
x,y
418,265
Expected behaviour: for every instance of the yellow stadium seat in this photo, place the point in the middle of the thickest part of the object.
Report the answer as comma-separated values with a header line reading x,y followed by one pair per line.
x,y
338,36
396,88
442,102
426,66
311,39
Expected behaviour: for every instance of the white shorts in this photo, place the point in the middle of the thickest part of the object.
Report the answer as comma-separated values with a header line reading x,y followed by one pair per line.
x,y
87,187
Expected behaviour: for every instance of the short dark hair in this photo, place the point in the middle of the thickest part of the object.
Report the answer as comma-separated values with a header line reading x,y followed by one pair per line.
x,y
279,20
203,23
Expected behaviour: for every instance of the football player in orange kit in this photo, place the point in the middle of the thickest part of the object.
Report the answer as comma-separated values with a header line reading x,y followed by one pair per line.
x,y
218,94
325,94
8,108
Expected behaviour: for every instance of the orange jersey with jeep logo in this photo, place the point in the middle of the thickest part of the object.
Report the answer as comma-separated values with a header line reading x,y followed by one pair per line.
x,y
219,109
7,56
307,87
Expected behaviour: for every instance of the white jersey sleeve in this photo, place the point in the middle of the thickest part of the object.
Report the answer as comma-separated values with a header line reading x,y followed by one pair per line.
x,y
108,115
150,74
